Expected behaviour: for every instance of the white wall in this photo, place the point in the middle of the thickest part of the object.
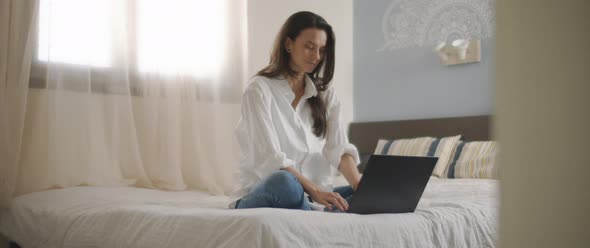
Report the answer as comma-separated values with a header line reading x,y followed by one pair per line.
x,y
265,18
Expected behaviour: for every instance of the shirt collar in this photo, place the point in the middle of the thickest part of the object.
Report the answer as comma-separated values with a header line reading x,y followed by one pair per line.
x,y
310,89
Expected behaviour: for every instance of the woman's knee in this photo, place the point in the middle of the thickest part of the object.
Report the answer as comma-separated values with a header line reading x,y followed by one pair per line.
x,y
286,187
281,177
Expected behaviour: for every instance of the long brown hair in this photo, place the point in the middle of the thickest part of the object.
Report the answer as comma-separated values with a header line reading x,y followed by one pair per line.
x,y
323,72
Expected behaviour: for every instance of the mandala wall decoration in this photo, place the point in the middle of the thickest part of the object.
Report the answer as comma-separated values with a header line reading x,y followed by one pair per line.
x,y
419,23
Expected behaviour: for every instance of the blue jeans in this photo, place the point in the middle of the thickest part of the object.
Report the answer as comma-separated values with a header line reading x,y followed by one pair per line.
x,y
282,190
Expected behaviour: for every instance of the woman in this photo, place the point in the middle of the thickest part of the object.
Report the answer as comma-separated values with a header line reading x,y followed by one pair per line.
x,y
290,132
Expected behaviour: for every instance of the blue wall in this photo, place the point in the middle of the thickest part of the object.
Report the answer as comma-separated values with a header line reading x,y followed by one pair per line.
x,y
409,82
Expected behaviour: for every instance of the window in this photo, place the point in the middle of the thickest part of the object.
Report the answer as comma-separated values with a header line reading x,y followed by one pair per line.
x,y
180,36
153,36
75,32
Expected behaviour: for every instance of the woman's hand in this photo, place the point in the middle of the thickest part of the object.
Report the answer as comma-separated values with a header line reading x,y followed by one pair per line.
x,y
328,199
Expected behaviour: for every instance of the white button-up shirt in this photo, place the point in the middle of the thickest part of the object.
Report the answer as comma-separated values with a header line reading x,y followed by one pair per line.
x,y
273,135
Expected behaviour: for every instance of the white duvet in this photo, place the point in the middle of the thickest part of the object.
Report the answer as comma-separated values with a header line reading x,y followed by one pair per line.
x,y
451,213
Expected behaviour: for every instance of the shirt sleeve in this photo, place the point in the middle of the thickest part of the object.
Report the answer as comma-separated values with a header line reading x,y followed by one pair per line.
x,y
336,139
260,140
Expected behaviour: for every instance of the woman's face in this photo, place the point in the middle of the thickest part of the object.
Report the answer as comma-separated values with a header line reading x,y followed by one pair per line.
x,y
308,49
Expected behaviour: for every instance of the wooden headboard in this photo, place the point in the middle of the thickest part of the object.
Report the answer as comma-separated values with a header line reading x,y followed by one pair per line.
x,y
365,134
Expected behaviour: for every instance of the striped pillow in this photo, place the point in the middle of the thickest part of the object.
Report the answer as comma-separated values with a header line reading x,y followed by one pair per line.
x,y
444,151
476,159
405,147
422,146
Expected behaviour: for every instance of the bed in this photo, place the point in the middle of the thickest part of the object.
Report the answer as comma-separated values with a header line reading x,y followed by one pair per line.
x,y
451,213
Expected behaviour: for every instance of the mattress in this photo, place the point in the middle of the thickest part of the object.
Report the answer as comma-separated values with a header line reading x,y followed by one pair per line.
x,y
451,213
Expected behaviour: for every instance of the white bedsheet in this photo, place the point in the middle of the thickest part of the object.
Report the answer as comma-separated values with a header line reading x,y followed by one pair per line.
x,y
451,213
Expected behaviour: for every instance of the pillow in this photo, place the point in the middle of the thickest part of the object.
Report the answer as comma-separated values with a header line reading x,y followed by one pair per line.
x,y
476,159
445,151
405,147
422,146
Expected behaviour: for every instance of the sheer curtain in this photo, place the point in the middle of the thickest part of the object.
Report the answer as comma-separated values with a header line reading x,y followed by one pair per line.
x,y
16,21
138,92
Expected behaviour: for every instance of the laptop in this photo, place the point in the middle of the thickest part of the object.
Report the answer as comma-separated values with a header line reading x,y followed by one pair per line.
x,y
391,184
